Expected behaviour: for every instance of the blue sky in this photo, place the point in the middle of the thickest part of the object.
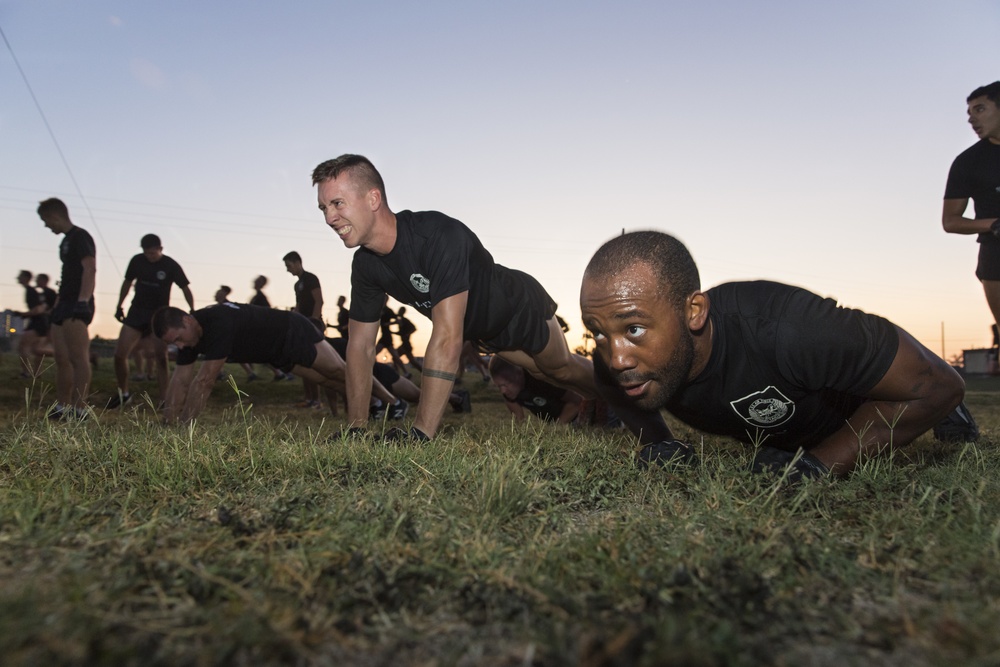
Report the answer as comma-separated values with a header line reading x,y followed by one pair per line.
x,y
790,141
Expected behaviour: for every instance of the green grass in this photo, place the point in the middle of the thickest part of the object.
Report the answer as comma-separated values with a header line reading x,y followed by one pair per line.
x,y
253,538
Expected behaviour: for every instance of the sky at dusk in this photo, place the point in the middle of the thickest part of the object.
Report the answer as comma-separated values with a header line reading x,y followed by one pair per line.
x,y
802,142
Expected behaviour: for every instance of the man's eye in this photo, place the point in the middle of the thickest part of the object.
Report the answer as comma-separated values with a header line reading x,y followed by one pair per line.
x,y
597,335
635,330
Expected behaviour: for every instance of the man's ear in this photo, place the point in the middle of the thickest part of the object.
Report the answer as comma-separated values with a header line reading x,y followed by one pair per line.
x,y
374,199
697,311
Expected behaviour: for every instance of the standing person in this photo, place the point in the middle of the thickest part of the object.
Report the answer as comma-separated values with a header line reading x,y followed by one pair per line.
x,y
765,363
438,266
36,327
975,175
385,340
260,299
343,317
309,304
153,274
74,311
404,329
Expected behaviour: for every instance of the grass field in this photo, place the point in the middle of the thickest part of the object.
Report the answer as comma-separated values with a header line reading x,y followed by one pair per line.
x,y
252,538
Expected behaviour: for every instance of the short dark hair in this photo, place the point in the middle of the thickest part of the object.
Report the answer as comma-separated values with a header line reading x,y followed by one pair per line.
x,y
991,91
225,289
669,258
25,273
150,241
166,317
292,257
42,276
53,205
359,167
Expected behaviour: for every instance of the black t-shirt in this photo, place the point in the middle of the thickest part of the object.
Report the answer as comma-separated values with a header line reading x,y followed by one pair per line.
x,y
787,367
304,286
33,299
436,257
239,333
975,175
49,296
153,280
405,326
260,300
77,244
343,324
542,399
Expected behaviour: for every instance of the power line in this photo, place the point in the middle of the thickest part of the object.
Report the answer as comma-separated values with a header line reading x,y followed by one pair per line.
x,y
59,150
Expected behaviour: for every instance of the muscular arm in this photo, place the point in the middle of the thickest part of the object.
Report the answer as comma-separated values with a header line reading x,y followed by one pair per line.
x,y
200,388
89,278
317,295
360,360
917,392
441,361
188,296
954,221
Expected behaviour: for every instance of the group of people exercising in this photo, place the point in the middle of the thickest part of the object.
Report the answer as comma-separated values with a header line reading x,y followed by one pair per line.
x,y
815,387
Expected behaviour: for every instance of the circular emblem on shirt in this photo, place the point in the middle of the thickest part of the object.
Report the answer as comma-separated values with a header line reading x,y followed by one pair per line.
x,y
539,401
420,283
160,275
767,410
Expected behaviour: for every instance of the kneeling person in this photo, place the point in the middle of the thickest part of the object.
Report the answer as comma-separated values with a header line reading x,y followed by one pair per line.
x,y
242,333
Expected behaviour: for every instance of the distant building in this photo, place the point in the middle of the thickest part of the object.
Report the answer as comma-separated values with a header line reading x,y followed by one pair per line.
x,y
13,324
980,361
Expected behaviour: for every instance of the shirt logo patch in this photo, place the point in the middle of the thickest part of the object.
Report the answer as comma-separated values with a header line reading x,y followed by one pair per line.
x,y
160,275
766,408
539,401
420,283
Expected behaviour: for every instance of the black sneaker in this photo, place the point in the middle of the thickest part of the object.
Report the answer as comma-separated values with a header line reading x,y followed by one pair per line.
x,y
377,411
119,400
399,409
57,413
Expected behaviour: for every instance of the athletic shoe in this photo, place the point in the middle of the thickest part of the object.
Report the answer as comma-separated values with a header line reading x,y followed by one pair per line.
x,y
278,377
307,404
119,400
398,410
376,411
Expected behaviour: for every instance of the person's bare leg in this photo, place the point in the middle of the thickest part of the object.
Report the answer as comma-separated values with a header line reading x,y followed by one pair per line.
x,y
556,364
159,356
73,375
992,290
127,340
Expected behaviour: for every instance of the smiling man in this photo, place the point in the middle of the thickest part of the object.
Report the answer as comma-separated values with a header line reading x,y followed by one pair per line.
x,y
438,266
975,175
761,362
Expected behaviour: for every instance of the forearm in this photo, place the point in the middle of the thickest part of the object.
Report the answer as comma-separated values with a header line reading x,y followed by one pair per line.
x,y
959,224
515,410
189,297
877,425
197,396
359,386
123,293
438,379
569,411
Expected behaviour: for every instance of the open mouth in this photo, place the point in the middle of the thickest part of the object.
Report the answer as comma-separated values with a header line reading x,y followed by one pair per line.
x,y
635,389
343,231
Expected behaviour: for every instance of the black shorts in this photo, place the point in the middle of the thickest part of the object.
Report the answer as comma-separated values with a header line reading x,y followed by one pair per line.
x,y
38,324
385,374
64,311
528,329
989,261
300,345
139,319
